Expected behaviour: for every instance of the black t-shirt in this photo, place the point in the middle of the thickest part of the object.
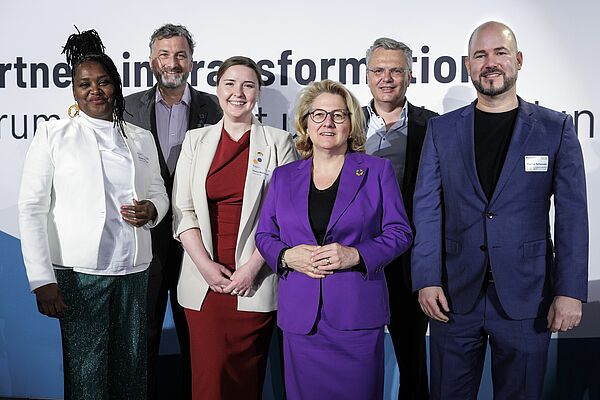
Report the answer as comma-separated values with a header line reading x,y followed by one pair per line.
x,y
320,206
493,132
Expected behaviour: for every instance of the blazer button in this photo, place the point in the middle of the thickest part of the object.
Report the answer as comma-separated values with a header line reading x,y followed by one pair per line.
x,y
490,215
483,247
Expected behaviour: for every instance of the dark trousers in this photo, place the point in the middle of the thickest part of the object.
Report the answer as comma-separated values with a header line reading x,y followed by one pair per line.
x,y
104,335
519,350
408,328
162,281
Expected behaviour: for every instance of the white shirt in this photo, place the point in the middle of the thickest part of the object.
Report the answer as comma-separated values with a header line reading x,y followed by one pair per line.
x,y
117,243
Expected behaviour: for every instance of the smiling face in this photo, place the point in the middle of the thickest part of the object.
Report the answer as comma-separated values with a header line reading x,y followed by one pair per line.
x,y
171,61
328,136
494,61
386,86
238,91
94,91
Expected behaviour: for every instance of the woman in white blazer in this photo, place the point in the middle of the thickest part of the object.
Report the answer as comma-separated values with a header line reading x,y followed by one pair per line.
x,y
227,290
90,191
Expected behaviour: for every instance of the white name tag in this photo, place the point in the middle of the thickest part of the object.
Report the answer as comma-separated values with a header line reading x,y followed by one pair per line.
x,y
260,171
536,163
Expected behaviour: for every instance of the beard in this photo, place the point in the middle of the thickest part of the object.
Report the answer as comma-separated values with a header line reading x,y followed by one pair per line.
x,y
169,80
508,83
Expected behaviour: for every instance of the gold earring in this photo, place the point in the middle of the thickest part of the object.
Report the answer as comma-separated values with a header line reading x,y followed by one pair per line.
x,y
73,111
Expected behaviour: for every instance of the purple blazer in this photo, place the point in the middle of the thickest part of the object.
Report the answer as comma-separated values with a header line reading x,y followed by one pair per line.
x,y
368,214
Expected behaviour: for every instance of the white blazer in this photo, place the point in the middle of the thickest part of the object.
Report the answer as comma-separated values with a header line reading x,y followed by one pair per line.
x,y
269,148
62,208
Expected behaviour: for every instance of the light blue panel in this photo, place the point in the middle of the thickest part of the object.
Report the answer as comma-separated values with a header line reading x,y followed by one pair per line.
x,y
30,348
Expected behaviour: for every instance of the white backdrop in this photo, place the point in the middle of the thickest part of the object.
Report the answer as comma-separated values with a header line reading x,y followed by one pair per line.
x,y
558,40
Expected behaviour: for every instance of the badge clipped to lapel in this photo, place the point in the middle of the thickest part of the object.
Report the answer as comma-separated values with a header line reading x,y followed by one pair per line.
x,y
258,165
360,172
536,163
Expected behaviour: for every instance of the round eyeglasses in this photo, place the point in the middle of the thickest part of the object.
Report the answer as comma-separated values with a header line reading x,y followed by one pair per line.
x,y
319,115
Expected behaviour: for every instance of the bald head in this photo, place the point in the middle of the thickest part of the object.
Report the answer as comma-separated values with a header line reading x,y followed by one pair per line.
x,y
494,28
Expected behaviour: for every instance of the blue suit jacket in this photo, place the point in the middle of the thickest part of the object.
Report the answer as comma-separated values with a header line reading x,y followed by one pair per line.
x,y
457,227
368,214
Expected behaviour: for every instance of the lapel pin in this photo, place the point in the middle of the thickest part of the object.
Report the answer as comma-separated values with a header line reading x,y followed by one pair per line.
x,y
359,172
258,158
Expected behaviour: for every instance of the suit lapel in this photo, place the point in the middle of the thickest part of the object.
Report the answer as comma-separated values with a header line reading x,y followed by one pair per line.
x,y
148,105
204,152
465,131
523,127
353,173
197,118
414,143
299,187
258,163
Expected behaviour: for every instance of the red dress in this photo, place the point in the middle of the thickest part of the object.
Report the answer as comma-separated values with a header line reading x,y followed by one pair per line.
x,y
228,347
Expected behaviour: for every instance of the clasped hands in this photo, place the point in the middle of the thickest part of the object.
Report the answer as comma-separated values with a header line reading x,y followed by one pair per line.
x,y
319,261
222,280
139,213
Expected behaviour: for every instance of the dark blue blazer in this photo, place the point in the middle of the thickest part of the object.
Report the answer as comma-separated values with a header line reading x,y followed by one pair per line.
x,y
458,228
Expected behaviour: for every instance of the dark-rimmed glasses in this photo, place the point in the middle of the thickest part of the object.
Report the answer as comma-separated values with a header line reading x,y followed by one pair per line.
x,y
319,115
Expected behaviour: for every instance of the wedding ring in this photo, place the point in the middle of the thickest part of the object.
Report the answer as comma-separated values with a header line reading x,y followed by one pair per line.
x,y
328,261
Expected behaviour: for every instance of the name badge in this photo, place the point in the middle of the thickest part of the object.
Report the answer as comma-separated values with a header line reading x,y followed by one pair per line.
x,y
536,163
260,172
258,168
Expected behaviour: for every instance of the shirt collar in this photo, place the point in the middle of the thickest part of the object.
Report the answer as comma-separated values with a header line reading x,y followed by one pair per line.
x,y
95,122
186,99
373,112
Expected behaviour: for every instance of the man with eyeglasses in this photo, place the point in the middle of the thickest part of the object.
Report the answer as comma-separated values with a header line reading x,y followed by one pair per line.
x,y
396,130
169,110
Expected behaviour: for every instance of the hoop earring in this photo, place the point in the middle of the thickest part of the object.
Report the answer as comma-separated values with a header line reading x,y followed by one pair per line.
x,y
73,111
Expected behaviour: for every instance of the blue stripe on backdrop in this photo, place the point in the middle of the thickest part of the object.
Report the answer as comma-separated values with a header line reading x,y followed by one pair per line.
x,y
30,355
31,361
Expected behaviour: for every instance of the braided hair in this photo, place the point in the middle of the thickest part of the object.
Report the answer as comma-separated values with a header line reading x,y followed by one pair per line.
x,y
87,46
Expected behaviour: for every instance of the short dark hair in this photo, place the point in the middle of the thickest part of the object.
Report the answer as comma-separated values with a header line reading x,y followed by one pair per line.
x,y
240,60
170,30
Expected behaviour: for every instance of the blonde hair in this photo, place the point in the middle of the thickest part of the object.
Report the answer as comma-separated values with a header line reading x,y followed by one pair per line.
x,y
356,137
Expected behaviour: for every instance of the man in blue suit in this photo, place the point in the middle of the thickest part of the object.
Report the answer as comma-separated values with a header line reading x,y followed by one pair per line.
x,y
483,259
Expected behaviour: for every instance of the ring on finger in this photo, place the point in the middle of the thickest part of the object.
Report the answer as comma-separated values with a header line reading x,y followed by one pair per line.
x,y
328,260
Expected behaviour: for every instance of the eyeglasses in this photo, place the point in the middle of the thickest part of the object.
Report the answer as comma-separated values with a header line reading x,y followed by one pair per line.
x,y
338,116
395,72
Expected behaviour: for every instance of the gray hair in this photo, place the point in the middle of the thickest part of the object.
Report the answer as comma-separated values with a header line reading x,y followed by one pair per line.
x,y
170,30
390,44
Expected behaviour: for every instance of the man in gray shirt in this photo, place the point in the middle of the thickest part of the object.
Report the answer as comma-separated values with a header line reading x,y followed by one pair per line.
x,y
396,130
169,109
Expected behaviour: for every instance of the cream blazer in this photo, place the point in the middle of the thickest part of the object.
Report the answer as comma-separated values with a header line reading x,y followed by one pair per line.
x,y
62,206
269,148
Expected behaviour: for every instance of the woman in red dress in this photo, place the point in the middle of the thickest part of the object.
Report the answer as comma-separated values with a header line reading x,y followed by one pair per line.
x,y
228,292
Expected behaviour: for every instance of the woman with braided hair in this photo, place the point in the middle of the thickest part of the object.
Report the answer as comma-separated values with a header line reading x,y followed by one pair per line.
x,y
91,190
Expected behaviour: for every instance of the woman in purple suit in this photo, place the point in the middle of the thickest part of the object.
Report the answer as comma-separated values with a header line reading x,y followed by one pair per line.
x,y
329,225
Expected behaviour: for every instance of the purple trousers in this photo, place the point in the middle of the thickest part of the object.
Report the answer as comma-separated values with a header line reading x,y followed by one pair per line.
x,y
332,364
